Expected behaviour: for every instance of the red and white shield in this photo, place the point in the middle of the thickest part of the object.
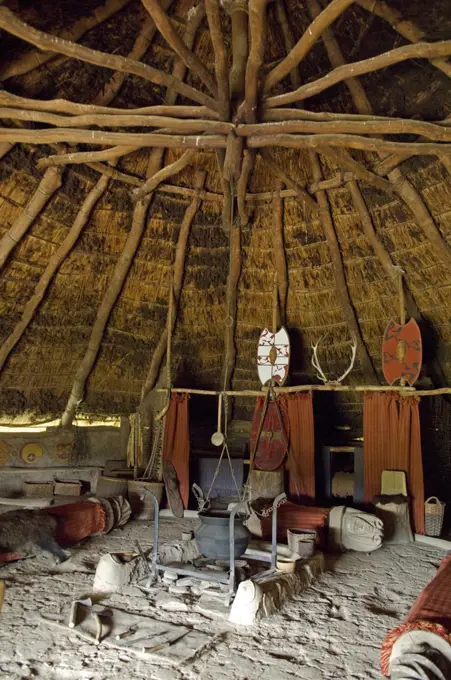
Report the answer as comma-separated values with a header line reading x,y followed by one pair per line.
x,y
273,356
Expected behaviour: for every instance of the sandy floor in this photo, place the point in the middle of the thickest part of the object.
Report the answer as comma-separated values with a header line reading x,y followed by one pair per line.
x,y
333,630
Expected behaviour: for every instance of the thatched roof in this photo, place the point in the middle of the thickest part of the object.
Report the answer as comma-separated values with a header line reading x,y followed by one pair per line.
x,y
39,371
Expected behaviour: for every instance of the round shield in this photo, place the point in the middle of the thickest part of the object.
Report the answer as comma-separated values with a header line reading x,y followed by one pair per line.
x,y
273,441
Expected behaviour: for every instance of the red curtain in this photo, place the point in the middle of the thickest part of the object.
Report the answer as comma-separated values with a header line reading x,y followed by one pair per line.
x,y
176,442
301,454
391,441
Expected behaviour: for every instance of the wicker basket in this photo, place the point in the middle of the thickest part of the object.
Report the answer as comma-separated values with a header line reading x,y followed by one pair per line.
x,y
67,488
38,489
107,487
143,509
302,542
434,512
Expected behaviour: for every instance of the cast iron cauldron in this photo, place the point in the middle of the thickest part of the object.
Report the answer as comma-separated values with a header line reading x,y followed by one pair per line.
x,y
212,535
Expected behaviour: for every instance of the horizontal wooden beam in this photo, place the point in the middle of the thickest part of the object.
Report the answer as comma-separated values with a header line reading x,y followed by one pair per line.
x,y
12,24
420,50
179,125
77,157
73,108
347,141
410,391
149,139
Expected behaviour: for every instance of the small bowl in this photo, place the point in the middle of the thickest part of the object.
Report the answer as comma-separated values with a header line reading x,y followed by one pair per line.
x,y
187,535
286,565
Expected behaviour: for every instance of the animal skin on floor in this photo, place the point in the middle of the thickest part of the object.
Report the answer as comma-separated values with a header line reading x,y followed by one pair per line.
x,y
29,532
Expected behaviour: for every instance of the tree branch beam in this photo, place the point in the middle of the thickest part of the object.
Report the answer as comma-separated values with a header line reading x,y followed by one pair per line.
x,y
79,157
309,202
306,42
35,58
168,171
345,160
418,51
167,30
348,141
73,108
49,184
340,278
257,33
246,170
12,24
240,48
117,175
213,10
280,262
51,269
408,29
231,303
177,282
180,125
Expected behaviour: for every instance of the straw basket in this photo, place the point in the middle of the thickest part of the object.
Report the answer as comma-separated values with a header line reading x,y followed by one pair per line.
x,y
38,489
143,509
302,542
434,512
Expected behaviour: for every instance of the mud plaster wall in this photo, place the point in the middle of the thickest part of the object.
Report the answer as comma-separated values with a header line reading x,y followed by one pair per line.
x,y
78,454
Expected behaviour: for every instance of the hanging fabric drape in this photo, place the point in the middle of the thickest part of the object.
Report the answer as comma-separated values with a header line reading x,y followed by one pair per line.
x,y
176,442
391,441
301,452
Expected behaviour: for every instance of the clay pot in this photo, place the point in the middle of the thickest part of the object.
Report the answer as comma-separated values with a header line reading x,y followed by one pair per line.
x,y
212,535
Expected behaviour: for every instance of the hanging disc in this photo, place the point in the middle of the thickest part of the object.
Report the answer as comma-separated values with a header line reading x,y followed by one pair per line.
x,y
171,484
31,453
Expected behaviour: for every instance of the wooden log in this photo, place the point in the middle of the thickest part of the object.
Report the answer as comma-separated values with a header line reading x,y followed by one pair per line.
x,y
180,125
345,160
213,10
310,204
408,29
108,171
348,141
168,171
179,271
257,33
231,303
73,108
306,42
12,24
246,169
34,58
131,246
149,139
5,148
289,40
309,388
233,158
240,48
339,273
52,267
175,42
78,157
418,51
280,262
394,126
49,184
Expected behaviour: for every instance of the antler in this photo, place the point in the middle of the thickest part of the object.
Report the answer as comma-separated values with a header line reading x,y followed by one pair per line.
x,y
315,361
320,374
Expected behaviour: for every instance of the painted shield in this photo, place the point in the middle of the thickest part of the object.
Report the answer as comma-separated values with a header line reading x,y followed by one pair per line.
x,y
273,442
273,356
402,352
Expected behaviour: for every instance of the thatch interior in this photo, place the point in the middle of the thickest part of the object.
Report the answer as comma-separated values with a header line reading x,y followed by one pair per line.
x,y
40,370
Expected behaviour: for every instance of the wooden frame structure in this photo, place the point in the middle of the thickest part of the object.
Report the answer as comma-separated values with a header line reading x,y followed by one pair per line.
x,y
237,114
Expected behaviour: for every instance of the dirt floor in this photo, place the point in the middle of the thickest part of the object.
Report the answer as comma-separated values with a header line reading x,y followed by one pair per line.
x,y
333,630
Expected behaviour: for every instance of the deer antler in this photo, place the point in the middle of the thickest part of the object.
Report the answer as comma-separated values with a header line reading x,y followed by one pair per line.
x,y
315,361
320,374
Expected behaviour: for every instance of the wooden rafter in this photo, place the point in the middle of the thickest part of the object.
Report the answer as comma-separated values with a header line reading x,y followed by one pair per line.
x,y
231,303
177,281
309,202
348,141
246,170
345,160
257,33
12,24
76,109
131,246
75,157
418,51
168,171
167,30
5,148
306,42
49,184
339,274
213,10
238,10
408,29
35,58
279,258
52,267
